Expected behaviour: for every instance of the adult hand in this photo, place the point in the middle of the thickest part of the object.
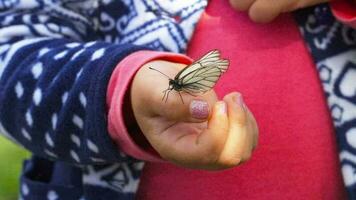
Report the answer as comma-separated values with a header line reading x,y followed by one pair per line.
x,y
263,11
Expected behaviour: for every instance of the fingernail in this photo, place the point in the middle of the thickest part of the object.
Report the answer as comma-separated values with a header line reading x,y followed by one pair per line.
x,y
240,101
199,109
222,107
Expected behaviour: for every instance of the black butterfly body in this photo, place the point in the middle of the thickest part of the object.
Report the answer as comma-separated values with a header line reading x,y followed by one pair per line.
x,y
175,85
199,77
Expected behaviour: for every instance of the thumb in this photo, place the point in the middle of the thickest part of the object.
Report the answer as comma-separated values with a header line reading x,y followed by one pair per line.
x,y
191,109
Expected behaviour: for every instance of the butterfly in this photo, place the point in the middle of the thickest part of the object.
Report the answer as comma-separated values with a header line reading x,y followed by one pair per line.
x,y
199,77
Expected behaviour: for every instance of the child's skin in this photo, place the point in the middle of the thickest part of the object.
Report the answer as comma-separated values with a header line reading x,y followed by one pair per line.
x,y
222,139
264,11
226,140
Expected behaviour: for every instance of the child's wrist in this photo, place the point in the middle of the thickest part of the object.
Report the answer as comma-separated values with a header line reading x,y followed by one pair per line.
x,y
122,125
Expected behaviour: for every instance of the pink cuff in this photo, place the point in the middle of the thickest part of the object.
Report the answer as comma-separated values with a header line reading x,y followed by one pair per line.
x,y
119,90
344,11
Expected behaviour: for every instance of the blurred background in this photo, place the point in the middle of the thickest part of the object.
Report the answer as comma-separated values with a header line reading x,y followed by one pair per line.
x,y
11,156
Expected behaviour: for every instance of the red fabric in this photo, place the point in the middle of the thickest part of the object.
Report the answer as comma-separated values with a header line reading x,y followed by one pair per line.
x,y
297,153
344,11
118,99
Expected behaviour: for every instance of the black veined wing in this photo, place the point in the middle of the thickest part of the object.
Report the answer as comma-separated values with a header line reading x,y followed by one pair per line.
x,y
202,75
212,58
199,77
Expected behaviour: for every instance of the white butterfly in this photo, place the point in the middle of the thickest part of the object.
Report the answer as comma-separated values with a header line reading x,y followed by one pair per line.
x,y
199,77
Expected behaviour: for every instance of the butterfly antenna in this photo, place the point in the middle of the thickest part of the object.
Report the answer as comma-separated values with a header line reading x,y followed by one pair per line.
x,y
159,72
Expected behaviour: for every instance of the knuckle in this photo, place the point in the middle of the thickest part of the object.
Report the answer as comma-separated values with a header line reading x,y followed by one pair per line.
x,y
239,127
241,120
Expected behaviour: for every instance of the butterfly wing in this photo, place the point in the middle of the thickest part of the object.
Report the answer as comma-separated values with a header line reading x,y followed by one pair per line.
x,y
202,81
203,74
211,58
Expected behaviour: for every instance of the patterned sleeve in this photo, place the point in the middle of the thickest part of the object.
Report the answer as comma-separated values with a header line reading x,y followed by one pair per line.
x,y
54,73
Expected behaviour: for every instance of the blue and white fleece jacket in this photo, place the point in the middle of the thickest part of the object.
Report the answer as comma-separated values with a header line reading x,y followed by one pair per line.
x,y
333,47
56,58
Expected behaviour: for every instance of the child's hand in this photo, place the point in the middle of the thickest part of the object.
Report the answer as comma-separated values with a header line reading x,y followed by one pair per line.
x,y
185,137
264,11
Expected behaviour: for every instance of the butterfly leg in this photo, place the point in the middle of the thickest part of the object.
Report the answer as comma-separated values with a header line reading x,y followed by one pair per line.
x,y
168,91
165,92
181,96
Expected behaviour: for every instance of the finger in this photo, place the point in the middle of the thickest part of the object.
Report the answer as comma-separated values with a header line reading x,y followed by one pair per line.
x,y
186,108
201,150
238,143
263,11
241,5
211,141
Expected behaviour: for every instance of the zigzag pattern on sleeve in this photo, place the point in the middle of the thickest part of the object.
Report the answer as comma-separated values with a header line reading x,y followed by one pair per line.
x,y
56,58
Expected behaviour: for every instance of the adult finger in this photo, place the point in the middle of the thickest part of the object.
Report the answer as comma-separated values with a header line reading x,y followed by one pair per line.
x,y
263,11
241,5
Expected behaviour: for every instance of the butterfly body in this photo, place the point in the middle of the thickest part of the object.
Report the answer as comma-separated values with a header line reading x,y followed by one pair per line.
x,y
175,85
199,77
